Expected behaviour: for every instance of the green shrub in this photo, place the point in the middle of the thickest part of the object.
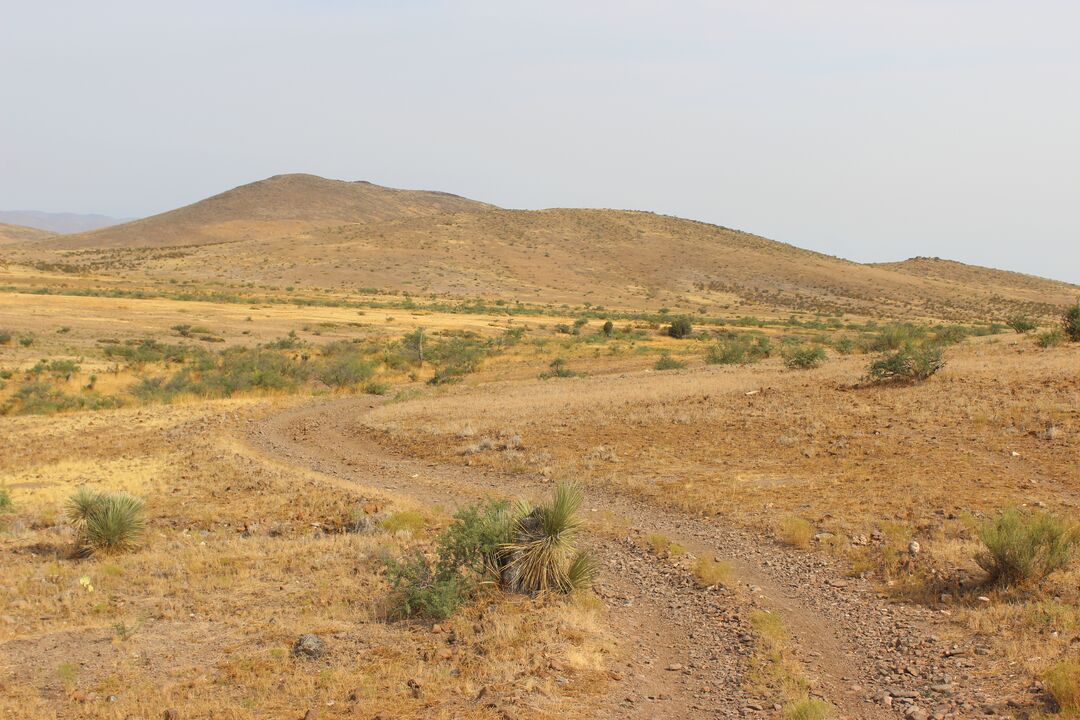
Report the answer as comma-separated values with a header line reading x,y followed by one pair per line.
x,y
909,364
609,327
1020,548
6,503
801,357
474,541
26,339
40,398
680,327
666,362
407,520
5,337
344,371
843,345
419,590
1050,338
1070,322
738,350
1021,323
558,369
106,522
897,337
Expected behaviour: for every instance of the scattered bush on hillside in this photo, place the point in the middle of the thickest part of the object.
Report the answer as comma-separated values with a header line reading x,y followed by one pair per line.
x,y
1020,548
911,363
5,337
1021,323
609,327
41,398
1070,322
106,522
559,369
801,357
796,532
680,328
666,362
1050,338
528,550
738,350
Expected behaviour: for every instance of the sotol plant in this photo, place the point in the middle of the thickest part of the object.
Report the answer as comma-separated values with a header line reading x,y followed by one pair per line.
x,y
106,522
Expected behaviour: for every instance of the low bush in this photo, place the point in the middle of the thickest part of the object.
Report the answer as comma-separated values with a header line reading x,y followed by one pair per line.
x,y
1019,548
710,572
40,398
5,337
1050,338
666,362
6,503
912,363
558,369
738,350
1070,322
801,357
341,371
404,521
680,328
1021,324
106,522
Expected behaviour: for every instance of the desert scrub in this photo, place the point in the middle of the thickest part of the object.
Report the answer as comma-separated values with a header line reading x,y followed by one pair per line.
x,y
666,362
738,350
1020,548
1050,338
796,532
1070,322
41,398
7,505
5,337
527,550
663,547
1021,324
803,358
912,363
558,369
680,328
106,522
808,709
342,371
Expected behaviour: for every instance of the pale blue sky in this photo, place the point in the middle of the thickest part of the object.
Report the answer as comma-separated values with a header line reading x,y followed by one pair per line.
x,y
866,129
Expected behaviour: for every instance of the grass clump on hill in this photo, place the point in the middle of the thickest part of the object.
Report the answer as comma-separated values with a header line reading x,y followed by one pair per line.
x,y
1019,548
796,532
526,550
1050,338
38,397
559,369
106,522
1021,323
1062,681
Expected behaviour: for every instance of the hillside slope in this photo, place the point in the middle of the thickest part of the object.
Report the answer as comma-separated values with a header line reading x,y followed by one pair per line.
x,y
273,207
10,234
301,231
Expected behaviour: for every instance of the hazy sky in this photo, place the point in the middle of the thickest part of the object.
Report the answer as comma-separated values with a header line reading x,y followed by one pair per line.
x,y
866,129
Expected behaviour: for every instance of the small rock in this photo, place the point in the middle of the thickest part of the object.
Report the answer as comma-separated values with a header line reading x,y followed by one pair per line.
x,y
309,647
917,713
674,667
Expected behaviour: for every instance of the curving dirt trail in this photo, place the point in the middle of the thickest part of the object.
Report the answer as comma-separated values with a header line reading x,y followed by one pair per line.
x,y
686,650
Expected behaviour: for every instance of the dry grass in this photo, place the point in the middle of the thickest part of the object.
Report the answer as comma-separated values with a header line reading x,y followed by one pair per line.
x,y
796,532
241,556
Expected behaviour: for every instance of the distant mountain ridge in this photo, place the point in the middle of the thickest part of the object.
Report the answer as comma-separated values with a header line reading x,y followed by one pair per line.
x,y
58,222
306,231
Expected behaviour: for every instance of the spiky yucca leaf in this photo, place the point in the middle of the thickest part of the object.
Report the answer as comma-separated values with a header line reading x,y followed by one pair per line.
x,y
540,553
114,524
582,571
81,504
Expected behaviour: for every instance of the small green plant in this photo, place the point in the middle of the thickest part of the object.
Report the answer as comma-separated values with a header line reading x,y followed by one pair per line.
x,y
6,503
26,339
106,522
1021,323
67,673
803,358
541,556
1070,322
796,532
808,709
1020,548
419,590
912,363
608,328
666,362
680,328
1050,338
5,337
709,572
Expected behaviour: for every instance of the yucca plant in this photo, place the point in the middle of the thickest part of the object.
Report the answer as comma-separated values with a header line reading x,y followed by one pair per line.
x,y
1021,548
106,522
541,556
